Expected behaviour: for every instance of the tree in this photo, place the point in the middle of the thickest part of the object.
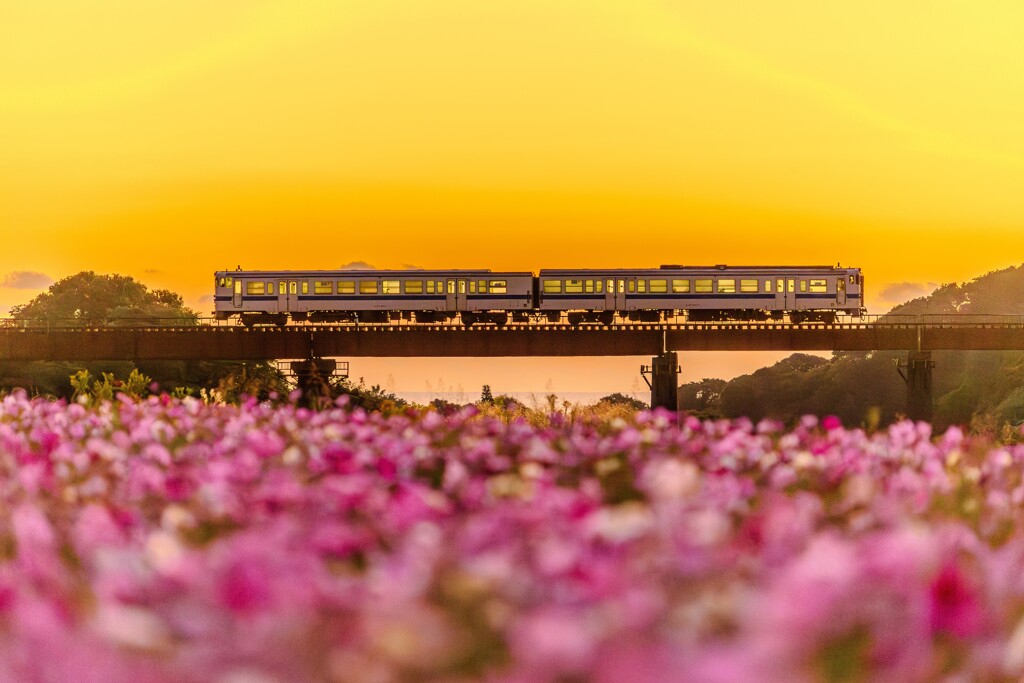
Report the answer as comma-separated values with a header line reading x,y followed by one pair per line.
x,y
260,380
485,394
619,399
370,399
104,300
702,398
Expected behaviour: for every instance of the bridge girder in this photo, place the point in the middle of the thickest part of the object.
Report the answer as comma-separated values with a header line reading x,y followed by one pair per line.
x,y
233,343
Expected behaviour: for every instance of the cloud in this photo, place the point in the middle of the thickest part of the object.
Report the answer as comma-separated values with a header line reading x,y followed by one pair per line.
x,y
153,271
900,292
357,265
26,279
206,298
409,266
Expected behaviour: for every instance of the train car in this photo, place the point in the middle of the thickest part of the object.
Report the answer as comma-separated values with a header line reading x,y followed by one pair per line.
x,y
804,293
272,297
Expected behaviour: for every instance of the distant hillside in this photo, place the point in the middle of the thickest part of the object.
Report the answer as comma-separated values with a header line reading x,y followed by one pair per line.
x,y
864,387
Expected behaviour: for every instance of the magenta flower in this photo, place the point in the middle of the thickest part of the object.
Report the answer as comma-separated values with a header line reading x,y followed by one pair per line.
x,y
954,605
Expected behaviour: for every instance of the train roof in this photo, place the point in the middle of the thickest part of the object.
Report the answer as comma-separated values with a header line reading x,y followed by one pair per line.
x,y
369,272
691,269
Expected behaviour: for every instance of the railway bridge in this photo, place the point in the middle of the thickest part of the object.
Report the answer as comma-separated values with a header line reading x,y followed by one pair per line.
x,y
918,336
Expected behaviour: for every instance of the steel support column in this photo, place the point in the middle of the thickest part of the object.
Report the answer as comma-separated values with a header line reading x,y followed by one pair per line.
x,y
664,381
313,379
918,377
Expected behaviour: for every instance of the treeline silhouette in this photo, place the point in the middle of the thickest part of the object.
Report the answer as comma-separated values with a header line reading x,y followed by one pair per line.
x,y
981,389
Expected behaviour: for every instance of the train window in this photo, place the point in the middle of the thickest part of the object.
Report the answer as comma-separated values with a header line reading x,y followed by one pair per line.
x,y
702,286
767,286
344,287
462,286
588,286
368,287
632,286
803,285
305,287
574,286
390,287
600,286
254,287
499,287
414,286
472,286
293,287
659,286
323,287
552,286
853,279
451,286
680,286
440,286
727,286
220,282
227,282
779,286
789,285
819,286
748,286
481,286
430,287
621,284
641,285
270,288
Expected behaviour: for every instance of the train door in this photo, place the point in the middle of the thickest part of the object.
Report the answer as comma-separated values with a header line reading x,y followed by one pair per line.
x,y
455,294
610,302
841,290
287,295
785,293
615,293
237,297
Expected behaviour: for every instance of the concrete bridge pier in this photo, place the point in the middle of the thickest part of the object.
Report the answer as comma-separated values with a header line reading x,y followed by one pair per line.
x,y
313,379
664,380
918,378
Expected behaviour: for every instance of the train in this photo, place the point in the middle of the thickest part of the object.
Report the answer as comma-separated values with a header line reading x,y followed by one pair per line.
x,y
798,294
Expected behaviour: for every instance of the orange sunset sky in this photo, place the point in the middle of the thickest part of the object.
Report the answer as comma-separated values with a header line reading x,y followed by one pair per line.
x,y
166,139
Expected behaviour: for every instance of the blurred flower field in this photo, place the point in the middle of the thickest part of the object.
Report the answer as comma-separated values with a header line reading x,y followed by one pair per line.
x,y
175,540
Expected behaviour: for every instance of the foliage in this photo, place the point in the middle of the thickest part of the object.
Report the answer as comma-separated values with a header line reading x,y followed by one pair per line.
x,y
444,407
969,387
620,399
702,399
89,390
104,300
369,398
259,380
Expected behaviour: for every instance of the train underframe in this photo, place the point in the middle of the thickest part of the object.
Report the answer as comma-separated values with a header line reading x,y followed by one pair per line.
x,y
574,318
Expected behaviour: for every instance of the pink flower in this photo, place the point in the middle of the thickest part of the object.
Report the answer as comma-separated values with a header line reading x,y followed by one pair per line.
x,y
244,588
954,605
831,422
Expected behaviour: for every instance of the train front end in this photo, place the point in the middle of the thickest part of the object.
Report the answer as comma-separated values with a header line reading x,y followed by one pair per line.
x,y
227,295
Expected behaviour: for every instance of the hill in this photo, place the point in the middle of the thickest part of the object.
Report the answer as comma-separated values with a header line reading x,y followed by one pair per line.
x,y
970,387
